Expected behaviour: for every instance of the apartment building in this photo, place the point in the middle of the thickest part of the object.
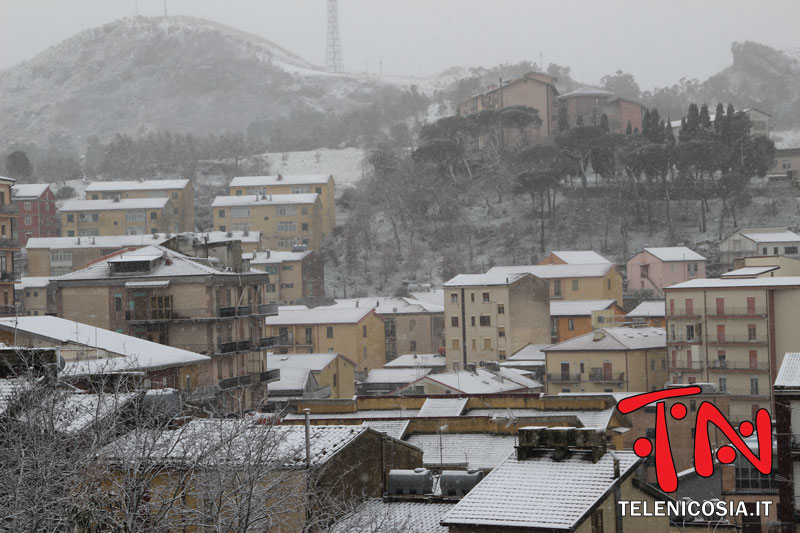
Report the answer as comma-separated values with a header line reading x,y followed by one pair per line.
x,y
787,429
733,333
599,281
252,241
8,245
534,89
321,184
36,206
574,257
332,371
358,334
589,104
572,318
652,313
615,359
140,216
490,316
652,269
56,256
296,277
748,242
32,297
410,326
160,295
284,220
764,266
787,162
179,191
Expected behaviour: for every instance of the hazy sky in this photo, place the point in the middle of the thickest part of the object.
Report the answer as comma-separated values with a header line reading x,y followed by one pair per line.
x,y
658,42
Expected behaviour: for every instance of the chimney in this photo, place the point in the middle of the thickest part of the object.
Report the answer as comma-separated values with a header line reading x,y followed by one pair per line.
x,y
307,412
280,177
356,304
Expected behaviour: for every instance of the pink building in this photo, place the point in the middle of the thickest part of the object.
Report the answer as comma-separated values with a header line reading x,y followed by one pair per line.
x,y
656,268
36,205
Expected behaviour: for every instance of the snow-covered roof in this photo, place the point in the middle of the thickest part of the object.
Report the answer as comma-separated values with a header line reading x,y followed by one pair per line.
x,y
29,190
225,236
725,283
483,382
675,253
555,271
370,414
274,257
437,407
230,441
312,361
580,257
578,307
466,450
395,375
586,91
265,199
541,492
654,309
318,316
531,352
413,360
789,372
749,272
435,296
76,411
614,339
480,280
114,205
144,185
133,353
116,241
594,418
296,179
776,236
32,282
380,516
295,307
180,266
394,428
292,379
387,305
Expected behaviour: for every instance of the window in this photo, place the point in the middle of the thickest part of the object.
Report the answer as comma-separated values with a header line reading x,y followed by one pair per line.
x,y
318,190
486,320
454,297
153,215
364,331
690,332
597,521
581,367
751,332
28,221
286,225
472,321
60,257
238,192
329,332
501,354
174,195
70,233
557,287
501,309
571,324
454,321
309,336
221,213
754,386
653,365
240,212
601,319
501,332
472,297
304,226
486,297
692,405
287,285
412,346
487,344
775,250
134,216
412,324
574,284
609,284
750,479
70,217
790,250
240,227
301,189
303,210
287,210
118,302
723,384
454,343
27,206
691,268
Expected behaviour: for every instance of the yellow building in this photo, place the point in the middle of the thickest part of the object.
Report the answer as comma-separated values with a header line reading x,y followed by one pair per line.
x,y
31,296
295,277
284,220
91,218
733,333
574,257
490,316
358,334
765,266
321,184
574,281
329,369
572,318
179,191
608,360
8,245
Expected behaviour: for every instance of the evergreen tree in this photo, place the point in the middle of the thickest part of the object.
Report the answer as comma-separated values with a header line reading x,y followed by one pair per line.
x,y
629,129
669,136
604,123
563,119
646,123
719,119
18,165
579,120
705,118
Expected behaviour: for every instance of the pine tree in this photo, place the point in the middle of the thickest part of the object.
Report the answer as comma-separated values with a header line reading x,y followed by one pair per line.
x,y
563,119
669,136
719,118
705,118
629,129
604,123
646,123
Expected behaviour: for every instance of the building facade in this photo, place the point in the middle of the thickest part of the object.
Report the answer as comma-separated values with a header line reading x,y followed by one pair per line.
x,y
180,193
748,242
36,206
94,218
573,318
321,184
284,220
652,269
9,244
588,104
574,281
296,277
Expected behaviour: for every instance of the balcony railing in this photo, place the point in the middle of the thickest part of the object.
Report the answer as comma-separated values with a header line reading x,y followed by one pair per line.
x,y
682,312
737,365
268,309
737,339
733,312
8,209
203,313
683,365
6,242
683,339
563,378
610,377
762,392
266,342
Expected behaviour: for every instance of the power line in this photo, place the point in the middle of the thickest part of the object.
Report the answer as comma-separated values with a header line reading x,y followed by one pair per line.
x,y
333,51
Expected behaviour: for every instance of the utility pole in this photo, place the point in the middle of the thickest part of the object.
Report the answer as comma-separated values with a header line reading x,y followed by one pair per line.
x,y
333,51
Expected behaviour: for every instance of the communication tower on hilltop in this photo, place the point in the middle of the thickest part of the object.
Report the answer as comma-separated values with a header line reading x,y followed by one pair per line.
x,y
333,52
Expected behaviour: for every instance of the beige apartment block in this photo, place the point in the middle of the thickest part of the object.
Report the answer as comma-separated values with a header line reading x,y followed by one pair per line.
x,y
179,191
614,359
329,369
491,316
295,277
321,184
8,245
591,281
767,266
749,242
93,218
733,333
31,296
358,334
284,220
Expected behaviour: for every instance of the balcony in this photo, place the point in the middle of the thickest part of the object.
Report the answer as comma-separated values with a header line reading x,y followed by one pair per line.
x,y
606,377
236,346
682,365
173,315
7,242
737,312
8,209
266,342
268,309
749,393
226,312
682,312
738,366
743,339
563,378
683,339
